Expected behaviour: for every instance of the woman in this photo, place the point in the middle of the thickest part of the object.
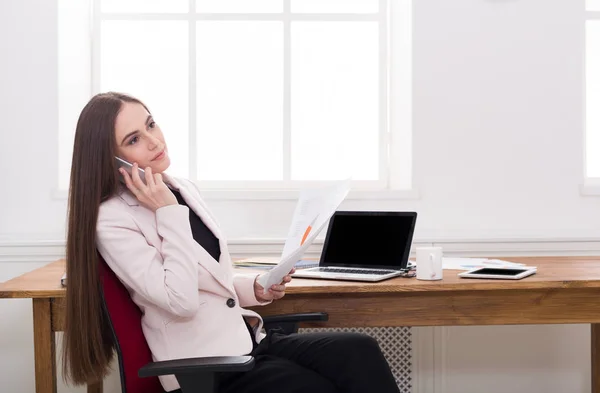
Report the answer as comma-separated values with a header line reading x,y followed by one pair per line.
x,y
161,241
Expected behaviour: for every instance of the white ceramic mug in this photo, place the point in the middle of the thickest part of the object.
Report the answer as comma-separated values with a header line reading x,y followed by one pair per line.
x,y
429,263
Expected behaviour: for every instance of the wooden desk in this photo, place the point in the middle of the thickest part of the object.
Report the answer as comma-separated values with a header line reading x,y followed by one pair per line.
x,y
565,290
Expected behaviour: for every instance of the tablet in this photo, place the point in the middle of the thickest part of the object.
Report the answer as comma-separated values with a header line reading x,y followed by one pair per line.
x,y
504,273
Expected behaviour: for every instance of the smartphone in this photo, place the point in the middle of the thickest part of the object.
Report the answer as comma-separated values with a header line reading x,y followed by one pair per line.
x,y
121,163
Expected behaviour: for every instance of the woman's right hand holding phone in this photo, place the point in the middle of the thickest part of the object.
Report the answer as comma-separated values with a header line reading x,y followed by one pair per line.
x,y
154,194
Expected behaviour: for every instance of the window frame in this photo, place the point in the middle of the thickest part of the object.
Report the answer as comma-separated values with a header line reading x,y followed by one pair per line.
x,y
590,185
395,89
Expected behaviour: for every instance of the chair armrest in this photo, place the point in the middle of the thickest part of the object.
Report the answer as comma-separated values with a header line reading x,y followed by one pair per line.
x,y
288,323
296,318
197,365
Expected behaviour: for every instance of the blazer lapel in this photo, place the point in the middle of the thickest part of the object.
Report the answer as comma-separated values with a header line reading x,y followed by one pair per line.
x,y
221,269
128,197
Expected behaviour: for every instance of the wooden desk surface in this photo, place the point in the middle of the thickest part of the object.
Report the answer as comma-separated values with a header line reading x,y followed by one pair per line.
x,y
565,290
39,283
553,273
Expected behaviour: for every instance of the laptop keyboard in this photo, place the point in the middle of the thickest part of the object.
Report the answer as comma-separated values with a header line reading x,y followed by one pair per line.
x,y
356,271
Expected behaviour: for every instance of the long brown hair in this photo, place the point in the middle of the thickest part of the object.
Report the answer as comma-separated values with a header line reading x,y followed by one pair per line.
x,y
88,346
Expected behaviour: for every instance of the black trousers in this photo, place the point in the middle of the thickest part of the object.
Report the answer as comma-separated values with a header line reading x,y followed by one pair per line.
x,y
314,363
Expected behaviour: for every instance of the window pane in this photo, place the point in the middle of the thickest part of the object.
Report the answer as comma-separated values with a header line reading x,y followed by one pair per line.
x,y
74,77
150,6
335,101
149,60
240,106
330,6
593,98
593,5
254,6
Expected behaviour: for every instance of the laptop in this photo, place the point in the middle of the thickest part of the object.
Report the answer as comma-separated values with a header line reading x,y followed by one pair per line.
x,y
364,246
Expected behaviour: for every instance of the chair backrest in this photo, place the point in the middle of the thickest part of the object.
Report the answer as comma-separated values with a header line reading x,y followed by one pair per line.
x,y
125,320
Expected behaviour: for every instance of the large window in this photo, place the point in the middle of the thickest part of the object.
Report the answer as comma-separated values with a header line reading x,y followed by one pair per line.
x,y
592,88
258,94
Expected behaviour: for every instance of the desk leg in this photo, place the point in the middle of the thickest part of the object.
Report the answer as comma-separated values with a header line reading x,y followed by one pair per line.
x,y
595,357
44,347
95,388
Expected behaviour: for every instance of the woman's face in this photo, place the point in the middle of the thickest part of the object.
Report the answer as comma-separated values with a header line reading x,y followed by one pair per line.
x,y
139,139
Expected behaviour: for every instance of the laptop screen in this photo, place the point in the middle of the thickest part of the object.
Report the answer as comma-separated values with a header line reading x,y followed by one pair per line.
x,y
369,239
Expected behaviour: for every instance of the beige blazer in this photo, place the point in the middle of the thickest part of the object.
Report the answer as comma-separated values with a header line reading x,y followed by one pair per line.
x,y
185,295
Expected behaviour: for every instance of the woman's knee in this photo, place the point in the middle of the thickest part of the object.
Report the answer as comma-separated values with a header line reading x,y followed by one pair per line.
x,y
360,341
352,345
366,341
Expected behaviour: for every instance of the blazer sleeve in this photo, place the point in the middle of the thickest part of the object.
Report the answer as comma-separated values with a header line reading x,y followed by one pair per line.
x,y
167,278
244,287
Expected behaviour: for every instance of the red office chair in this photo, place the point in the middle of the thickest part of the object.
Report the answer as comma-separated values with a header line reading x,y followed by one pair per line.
x,y
139,374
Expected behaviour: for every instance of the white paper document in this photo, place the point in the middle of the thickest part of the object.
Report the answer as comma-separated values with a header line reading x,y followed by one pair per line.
x,y
257,261
314,209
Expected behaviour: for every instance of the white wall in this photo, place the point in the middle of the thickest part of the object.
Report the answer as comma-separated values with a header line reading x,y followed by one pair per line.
x,y
498,155
498,118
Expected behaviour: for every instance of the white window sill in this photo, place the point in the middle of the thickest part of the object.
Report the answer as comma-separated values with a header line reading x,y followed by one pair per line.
x,y
284,195
590,187
292,195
